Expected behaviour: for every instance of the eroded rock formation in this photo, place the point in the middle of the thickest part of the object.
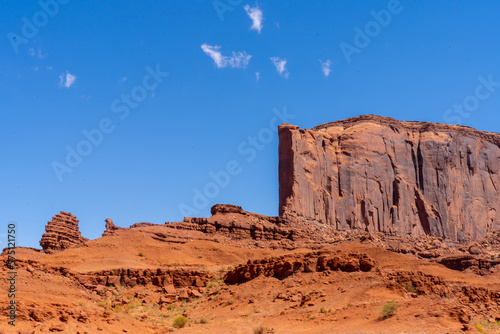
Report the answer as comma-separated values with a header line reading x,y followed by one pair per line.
x,y
232,221
61,232
284,266
378,174
111,228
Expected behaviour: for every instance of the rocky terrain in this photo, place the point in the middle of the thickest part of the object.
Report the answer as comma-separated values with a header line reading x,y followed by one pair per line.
x,y
364,244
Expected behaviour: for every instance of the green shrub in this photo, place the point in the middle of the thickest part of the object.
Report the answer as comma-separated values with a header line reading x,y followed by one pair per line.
x,y
389,309
180,322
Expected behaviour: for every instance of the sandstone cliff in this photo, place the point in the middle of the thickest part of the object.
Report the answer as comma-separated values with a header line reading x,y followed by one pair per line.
x,y
379,174
61,232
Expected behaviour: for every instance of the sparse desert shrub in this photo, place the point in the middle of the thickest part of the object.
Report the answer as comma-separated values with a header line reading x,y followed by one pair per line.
x,y
410,288
134,304
106,304
389,309
203,321
180,322
118,308
154,312
479,328
170,307
259,330
140,254
325,311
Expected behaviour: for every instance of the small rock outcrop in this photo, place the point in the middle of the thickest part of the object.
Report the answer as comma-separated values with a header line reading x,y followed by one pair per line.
x,y
378,174
61,232
111,228
232,221
476,264
226,208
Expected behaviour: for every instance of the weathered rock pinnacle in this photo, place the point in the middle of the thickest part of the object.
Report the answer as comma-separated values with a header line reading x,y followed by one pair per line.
x,y
61,232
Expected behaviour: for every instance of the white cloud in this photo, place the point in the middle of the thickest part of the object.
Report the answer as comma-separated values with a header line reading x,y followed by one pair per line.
x,y
67,79
325,67
238,60
256,15
280,66
257,76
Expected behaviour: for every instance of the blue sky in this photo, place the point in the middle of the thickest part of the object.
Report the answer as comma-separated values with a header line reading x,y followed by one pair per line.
x,y
179,119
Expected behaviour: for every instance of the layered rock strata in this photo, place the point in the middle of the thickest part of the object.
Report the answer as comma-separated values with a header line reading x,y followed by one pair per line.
x,y
61,232
232,221
284,266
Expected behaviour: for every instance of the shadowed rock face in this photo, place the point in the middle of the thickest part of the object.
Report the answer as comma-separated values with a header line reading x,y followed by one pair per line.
x,y
379,174
61,232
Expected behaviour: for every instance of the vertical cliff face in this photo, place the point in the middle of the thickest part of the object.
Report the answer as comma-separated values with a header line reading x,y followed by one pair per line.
x,y
378,174
61,232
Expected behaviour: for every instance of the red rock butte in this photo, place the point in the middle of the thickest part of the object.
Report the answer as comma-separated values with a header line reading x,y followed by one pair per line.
x,y
379,174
